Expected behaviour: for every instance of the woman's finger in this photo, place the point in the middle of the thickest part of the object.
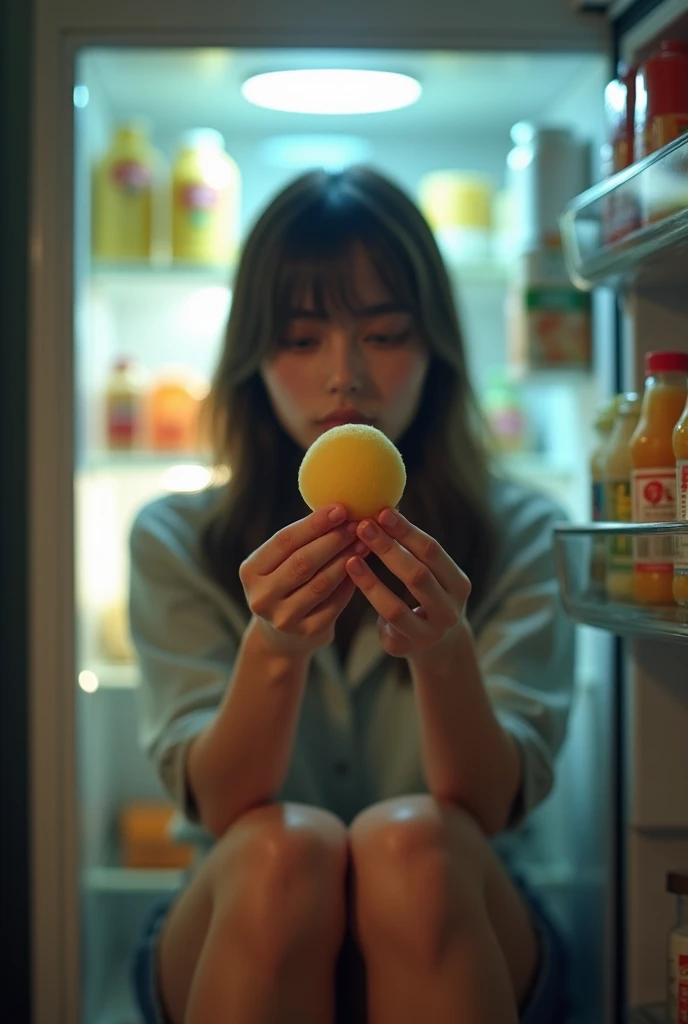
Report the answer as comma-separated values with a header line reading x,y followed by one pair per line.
x,y
388,605
416,575
291,538
427,550
317,590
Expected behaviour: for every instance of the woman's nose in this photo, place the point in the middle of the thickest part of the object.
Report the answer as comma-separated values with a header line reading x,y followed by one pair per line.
x,y
345,371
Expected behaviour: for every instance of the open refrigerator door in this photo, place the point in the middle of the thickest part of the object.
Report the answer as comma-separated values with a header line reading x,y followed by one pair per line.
x,y
628,236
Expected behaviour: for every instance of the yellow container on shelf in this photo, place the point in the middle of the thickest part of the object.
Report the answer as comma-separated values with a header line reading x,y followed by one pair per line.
x,y
458,207
122,201
206,195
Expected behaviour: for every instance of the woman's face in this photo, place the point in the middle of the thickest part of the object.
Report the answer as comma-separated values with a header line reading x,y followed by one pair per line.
x,y
333,369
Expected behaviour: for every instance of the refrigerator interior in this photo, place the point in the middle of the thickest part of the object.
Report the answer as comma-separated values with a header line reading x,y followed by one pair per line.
x,y
162,313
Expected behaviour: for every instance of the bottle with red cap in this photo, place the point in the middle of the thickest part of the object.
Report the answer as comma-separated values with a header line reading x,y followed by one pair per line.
x,y
662,97
653,473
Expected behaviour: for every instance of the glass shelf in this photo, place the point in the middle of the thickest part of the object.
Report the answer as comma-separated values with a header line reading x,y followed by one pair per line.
x,y
574,547
119,880
633,227
107,461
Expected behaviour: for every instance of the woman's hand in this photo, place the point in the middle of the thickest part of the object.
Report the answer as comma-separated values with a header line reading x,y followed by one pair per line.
x,y
296,583
427,571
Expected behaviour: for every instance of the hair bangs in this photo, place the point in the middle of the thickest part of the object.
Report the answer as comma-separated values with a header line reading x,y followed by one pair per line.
x,y
318,271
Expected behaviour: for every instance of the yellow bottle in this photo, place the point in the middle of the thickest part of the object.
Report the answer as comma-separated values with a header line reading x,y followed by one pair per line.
x,y
123,181
604,422
618,504
205,201
680,446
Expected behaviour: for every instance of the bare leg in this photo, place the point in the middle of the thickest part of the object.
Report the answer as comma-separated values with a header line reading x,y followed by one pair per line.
x,y
445,935
256,935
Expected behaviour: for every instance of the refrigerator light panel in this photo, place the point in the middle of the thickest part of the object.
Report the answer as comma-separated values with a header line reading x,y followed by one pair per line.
x,y
331,91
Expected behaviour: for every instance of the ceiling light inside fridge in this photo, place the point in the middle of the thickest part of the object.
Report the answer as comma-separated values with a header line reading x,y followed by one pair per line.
x,y
331,91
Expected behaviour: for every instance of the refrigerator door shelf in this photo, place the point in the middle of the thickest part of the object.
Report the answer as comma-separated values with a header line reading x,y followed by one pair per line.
x,y
577,547
632,228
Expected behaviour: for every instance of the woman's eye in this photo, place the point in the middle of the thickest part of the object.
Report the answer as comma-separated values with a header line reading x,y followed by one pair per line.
x,y
396,338
300,344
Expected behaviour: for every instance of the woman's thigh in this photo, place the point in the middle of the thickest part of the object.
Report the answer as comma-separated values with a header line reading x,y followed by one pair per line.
x,y
280,838
389,837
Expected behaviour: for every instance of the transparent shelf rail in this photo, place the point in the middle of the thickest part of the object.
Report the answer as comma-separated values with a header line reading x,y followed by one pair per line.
x,y
632,228
576,546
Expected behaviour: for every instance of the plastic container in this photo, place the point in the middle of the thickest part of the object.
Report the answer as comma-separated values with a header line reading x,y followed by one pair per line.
x,y
654,474
205,200
146,841
174,409
604,423
662,97
677,951
125,406
617,497
458,208
547,168
505,414
122,202
680,446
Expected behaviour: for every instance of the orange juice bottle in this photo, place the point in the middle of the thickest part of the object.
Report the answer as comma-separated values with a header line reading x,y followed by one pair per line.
x,y
617,486
653,473
174,407
680,445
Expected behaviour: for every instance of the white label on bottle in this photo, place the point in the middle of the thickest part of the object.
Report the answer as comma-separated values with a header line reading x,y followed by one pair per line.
x,y
654,501
678,979
681,559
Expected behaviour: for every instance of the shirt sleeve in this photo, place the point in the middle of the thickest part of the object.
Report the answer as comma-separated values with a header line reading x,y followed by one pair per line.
x,y
186,647
525,646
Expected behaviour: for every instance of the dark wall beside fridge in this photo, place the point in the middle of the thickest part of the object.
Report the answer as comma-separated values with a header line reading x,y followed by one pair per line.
x,y
16,20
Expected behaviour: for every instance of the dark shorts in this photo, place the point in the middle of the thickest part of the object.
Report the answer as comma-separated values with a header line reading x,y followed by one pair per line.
x,y
548,1003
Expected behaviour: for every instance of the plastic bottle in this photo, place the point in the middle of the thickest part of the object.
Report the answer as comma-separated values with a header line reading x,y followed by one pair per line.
x,y
604,423
680,446
617,501
123,182
677,950
654,473
174,407
205,200
125,404
662,88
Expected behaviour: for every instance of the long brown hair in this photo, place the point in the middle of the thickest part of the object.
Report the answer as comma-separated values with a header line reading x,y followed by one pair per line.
x,y
302,245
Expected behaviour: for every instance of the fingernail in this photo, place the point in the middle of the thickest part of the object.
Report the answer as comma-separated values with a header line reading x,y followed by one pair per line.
x,y
337,514
356,567
360,548
388,518
369,531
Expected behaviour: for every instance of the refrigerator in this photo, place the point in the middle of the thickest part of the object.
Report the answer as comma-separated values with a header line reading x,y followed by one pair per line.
x,y
598,848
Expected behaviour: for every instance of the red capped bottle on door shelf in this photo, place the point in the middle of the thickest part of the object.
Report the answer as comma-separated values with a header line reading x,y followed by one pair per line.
x,y
125,405
653,474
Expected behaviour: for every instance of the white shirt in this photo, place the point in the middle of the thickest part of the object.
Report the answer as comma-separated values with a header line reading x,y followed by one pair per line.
x,y
358,736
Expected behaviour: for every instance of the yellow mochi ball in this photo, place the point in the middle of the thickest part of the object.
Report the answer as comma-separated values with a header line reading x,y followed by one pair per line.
x,y
354,464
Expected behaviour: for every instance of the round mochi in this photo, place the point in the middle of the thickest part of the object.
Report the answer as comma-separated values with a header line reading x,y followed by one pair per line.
x,y
356,465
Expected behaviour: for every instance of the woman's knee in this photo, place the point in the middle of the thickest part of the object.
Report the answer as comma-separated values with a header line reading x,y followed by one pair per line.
x,y
277,880
416,878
